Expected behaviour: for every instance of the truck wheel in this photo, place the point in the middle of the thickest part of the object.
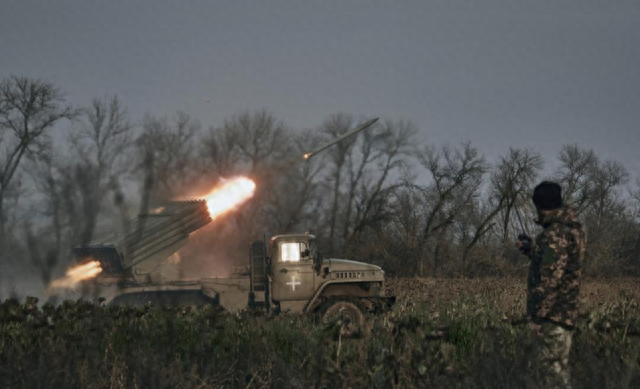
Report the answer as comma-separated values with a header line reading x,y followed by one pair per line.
x,y
347,313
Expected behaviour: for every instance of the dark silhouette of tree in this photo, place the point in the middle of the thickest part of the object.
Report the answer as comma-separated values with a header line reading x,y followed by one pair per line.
x,y
457,177
28,109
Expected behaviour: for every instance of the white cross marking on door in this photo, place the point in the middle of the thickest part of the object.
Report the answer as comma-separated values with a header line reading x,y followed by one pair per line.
x,y
293,283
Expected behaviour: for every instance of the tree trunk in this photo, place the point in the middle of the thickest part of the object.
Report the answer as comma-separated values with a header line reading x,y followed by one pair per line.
x,y
334,209
438,249
2,223
481,230
505,225
420,263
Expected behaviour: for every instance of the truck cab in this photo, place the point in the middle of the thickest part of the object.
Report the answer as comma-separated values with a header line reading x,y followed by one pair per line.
x,y
293,263
302,280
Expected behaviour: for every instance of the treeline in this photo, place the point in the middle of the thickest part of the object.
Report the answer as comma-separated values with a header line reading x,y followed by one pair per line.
x,y
386,196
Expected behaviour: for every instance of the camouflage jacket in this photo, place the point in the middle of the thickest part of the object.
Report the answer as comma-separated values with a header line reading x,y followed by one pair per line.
x,y
556,269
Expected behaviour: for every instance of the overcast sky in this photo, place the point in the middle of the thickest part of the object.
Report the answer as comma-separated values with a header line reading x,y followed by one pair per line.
x,y
496,73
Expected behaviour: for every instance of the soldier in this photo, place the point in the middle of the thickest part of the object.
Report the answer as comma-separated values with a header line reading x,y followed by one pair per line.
x,y
553,284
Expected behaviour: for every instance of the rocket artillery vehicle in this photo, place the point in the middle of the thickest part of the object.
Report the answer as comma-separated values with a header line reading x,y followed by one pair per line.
x,y
291,276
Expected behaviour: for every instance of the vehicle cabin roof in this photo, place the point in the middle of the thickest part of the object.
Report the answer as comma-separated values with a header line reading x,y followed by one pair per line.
x,y
292,237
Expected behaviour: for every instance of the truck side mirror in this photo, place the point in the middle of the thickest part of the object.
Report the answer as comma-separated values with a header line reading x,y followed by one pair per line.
x,y
305,253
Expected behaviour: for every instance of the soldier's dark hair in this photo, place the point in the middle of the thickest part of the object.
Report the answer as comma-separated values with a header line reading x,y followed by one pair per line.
x,y
547,196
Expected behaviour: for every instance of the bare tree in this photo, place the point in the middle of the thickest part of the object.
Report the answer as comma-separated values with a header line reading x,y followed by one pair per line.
x,y
48,182
28,108
402,233
219,153
371,187
335,126
44,263
481,220
169,145
590,185
457,177
72,188
575,174
635,194
296,201
100,145
369,152
607,218
511,183
254,144
608,179
261,139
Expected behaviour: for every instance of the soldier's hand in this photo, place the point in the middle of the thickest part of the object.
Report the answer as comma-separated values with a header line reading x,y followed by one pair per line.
x,y
524,243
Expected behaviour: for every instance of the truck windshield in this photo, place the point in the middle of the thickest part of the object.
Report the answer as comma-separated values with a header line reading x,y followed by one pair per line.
x,y
293,252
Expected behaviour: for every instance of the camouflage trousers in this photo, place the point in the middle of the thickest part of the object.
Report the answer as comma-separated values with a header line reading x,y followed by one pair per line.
x,y
549,360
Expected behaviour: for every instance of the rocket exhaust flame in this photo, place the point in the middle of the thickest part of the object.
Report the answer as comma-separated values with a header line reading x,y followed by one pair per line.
x,y
225,197
230,194
77,274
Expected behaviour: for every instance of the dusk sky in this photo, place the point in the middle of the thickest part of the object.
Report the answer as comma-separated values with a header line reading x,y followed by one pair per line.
x,y
496,73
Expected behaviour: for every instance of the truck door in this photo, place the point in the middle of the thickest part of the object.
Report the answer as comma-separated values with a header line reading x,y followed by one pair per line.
x,y
293,273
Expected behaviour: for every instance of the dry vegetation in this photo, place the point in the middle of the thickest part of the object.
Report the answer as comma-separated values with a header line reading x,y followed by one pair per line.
x,y
458,333
505,294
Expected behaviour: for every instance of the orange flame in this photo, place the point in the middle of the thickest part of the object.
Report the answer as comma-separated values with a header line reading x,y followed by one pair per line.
x,y
77,274
230,194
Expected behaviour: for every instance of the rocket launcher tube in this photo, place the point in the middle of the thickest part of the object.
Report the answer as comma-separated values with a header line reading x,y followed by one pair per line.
x,y
168,242
151,239
155,236
196,224
154,244
147,234
160,228
168,236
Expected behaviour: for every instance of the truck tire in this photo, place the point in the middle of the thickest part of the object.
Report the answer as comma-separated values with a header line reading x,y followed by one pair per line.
x,y
349,313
